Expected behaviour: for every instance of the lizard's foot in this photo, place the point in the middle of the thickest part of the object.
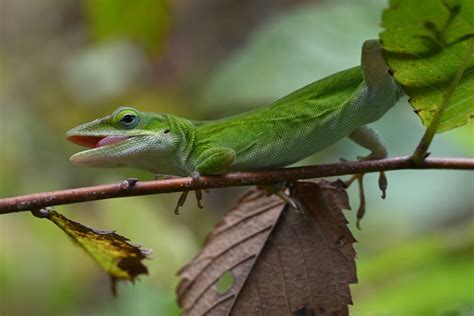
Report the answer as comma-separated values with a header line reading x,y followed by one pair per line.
x,y
196,178
279,189
376,155
383,182
184,195
198,194
361,209
181,201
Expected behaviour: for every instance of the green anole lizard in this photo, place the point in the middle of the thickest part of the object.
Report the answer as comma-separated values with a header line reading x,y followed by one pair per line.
x,y
279,134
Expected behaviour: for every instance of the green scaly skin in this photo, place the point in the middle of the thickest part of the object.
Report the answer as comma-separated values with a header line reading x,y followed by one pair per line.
x,y
284,132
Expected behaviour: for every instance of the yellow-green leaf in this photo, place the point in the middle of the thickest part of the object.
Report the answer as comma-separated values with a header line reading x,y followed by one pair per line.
x,y
114,253
427,41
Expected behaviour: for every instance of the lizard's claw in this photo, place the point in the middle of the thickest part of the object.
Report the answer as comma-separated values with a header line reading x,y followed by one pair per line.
x,y
196,178
279,190
181,201
360,181
198,194
184,195
292,202
383,183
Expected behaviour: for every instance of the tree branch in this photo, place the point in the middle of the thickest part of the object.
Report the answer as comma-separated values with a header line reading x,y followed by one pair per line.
x,y
130,188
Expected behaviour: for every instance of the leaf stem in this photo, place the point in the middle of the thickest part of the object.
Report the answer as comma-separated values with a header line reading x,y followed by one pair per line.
x,y
263,177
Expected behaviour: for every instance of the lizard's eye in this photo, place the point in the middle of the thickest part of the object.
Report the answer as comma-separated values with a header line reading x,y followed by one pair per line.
x,y
128,119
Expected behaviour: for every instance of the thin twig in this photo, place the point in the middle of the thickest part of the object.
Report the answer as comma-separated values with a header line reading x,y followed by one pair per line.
x,y
133,188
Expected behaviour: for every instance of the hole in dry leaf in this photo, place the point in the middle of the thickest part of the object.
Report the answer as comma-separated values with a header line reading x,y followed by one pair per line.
x,y
225,282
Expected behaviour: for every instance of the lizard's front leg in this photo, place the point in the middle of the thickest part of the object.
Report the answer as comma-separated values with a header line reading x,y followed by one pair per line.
x,y
212,161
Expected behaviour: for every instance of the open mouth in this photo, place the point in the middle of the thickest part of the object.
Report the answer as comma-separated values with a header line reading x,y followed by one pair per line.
x,y
96,141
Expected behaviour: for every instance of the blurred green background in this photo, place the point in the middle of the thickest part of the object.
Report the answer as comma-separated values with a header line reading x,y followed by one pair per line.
x,y
64,62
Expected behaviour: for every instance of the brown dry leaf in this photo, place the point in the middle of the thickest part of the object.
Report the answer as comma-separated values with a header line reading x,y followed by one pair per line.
x,y
282,262
114,253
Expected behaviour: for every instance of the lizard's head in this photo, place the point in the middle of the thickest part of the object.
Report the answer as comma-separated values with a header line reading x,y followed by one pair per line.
x,y
127,137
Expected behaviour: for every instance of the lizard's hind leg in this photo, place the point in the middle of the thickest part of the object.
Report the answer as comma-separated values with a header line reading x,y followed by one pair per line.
x,y
370,139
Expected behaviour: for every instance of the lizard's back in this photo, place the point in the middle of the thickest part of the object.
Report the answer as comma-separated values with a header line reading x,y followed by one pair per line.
x,y
295,126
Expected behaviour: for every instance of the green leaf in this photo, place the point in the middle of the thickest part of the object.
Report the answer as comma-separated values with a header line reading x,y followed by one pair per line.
x,y
121,259
143,21
427,42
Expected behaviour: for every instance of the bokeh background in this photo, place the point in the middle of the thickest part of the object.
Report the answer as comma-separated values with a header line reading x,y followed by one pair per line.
x,y
65,62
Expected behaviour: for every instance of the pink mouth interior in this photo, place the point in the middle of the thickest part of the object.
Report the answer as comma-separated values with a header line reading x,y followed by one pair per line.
x,y
96,141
